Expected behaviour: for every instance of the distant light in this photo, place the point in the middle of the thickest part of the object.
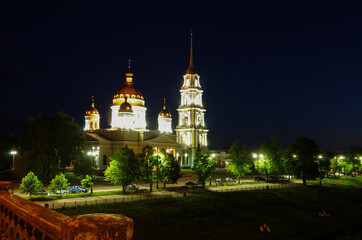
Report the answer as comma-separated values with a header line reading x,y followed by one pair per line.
x,y
255,155
13,152
213,155
261,155
294,156
320,157
341,157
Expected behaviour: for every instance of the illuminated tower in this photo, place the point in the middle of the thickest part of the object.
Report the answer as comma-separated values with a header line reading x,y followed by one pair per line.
x,y
191,130
91,118
164,120
135,99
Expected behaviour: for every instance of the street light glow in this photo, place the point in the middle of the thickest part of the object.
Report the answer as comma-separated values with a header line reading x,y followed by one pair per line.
x,y
255,155
13,152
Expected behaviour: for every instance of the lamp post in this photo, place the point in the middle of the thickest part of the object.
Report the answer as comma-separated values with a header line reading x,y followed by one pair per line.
x,y
12,180
94,153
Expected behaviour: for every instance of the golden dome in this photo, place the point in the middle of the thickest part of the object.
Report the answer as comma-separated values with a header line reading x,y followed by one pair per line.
x,y
164,112
125,107
128,90
92,110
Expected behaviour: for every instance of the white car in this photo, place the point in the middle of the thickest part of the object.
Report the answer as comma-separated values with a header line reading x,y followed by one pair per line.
x,y
61,191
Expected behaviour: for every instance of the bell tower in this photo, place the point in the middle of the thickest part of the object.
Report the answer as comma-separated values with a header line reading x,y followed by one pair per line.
x,y
191,130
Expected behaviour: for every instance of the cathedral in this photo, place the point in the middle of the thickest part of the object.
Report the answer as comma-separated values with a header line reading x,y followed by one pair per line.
x,y
129,123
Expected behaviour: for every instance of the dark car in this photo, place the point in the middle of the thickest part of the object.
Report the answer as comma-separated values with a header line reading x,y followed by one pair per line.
x,y
273,179
259,179
190,184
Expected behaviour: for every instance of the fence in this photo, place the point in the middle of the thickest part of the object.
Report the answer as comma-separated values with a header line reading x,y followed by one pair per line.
x,y
133,198
267,187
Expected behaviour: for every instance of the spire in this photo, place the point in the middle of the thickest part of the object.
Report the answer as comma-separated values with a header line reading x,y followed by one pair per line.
x,y
93,101
129,74
191,69
164,103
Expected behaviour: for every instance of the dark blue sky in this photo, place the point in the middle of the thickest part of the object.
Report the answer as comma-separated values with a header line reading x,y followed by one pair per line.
x,y
268,68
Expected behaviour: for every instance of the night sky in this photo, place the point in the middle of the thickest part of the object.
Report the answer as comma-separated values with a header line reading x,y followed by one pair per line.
x,y
267,68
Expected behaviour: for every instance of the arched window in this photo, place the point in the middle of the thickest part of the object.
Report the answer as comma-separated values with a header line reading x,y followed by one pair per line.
x,y
91,125
104,159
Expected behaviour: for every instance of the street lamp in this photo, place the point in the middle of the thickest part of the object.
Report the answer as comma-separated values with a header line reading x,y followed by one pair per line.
x,y
12,180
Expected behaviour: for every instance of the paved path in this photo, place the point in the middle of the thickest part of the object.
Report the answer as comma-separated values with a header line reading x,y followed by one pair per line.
x,y
72,202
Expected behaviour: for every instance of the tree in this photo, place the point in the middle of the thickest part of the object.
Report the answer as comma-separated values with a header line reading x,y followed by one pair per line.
x,y
324,164
303,152
49,142
170,169
87,183
123,168
30,184
149,164
204,166
84,165
263,165
240,160
272,150
60,182
68,139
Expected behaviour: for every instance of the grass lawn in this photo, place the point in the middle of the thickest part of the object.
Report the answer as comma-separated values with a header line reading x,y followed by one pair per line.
x,y
76,195
353,181
291,213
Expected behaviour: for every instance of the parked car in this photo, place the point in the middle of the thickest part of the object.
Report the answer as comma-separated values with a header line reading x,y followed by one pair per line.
x,y
199,183
190,184
42,192
229,180
259,179
219,182
77,189
61,191
132,187
273,178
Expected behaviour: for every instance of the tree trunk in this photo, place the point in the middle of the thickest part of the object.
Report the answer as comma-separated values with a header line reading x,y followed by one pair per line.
x,y
203,184
150,187
124,189
164,184
239,180
304,180
267,177
91,190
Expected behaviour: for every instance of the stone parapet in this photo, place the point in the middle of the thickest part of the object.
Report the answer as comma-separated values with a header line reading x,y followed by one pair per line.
x,y
5,186
23,219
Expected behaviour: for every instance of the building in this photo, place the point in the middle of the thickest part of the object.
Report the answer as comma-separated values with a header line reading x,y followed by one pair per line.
x,y
129,123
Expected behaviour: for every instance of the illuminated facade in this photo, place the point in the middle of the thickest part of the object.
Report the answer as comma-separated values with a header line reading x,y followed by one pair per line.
x,y
191,130
129,125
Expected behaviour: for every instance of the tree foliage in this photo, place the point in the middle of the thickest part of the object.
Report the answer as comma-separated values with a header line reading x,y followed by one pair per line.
x,y
263,165
60,182
123,168
273,151
240,160
84,165
50,142
87,183
170,169
30,184
302,154
204,166
149,164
